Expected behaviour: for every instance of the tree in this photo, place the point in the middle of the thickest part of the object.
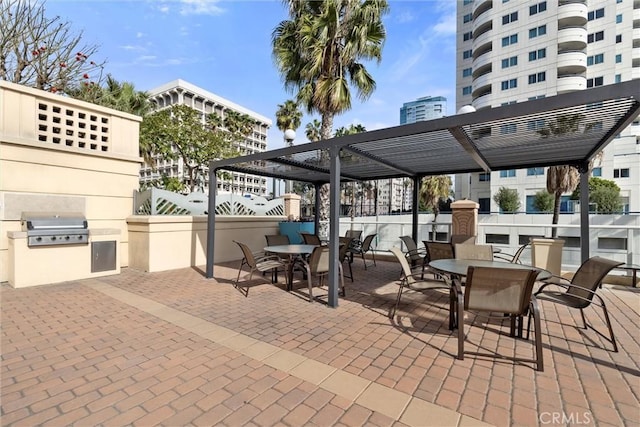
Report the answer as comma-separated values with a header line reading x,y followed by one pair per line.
x,y
507,199
352,190
121,96
432,190
312,131
288,116
561,179
543,201
318,52
178,132
603,193
43,52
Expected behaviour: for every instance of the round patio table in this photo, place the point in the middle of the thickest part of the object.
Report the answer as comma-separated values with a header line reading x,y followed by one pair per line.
x,y
459,267
293,251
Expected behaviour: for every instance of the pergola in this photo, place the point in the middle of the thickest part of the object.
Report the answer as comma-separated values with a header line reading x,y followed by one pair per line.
x,y
567,129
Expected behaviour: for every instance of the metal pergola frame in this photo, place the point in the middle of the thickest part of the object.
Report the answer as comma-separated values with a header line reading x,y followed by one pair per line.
x,y
508,137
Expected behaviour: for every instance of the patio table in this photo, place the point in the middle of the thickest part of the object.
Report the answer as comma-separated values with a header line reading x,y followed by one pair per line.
x,y
293,251
634,268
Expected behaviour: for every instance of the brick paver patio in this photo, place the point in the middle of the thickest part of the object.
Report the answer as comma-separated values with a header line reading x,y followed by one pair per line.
x,y
174,349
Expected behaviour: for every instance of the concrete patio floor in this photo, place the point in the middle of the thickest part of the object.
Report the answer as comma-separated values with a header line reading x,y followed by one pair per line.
x,y
175,349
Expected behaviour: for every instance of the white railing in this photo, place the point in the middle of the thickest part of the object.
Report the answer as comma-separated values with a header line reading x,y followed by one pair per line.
x,y
155,201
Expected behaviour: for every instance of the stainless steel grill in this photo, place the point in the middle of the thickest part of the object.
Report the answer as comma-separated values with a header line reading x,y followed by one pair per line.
x,y
49,228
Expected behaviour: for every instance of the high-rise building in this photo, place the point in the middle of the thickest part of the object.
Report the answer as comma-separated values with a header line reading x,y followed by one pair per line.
x,y
425,108
182,92
514,51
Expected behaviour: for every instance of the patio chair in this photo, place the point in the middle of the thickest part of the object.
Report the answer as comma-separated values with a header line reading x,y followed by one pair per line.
x,y
363,249
513,258
499,290
311,239
318,266
354,234
462,239
417,256
438,250
345,245
409,280
475,252
255,262
581,289
276,240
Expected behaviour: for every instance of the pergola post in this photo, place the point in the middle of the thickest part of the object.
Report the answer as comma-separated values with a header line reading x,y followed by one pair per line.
x,y
415,207
584,212
211,222
334,226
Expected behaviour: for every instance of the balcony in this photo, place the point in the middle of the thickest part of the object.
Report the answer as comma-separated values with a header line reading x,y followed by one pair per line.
x,y
572,38
572,63
481,6
482,101
480,42
482,83
571,83
635,55
482,20
572,14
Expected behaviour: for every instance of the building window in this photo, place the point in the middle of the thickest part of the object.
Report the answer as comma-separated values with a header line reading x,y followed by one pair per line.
x,y
510,62
618,58
467,54
538,54
595,59
535,124
466,90
537,8
512,39
596,81
596,171
510,173
466,2
485,204
467,18
509,84
485,177
595,14
538,77
619,38
540,31
512,17
467,36
618,78
595,37
508,128
466,72
535,171
619,19
621,173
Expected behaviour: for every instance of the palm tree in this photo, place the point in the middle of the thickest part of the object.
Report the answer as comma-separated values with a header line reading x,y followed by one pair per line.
x,y
288,116
312,130
318,53
432,189
561,179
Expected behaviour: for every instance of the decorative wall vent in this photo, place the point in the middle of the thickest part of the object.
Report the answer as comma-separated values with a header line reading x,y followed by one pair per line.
x,y
70,127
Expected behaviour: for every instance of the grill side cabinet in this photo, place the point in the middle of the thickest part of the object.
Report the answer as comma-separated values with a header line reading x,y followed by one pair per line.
x,y
103,256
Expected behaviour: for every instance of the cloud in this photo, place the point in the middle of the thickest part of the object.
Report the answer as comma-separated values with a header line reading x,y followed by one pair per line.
x,y
131,47
446,24
200,7
405,17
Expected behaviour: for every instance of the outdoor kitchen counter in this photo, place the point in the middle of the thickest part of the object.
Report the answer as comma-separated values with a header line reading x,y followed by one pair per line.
x,y
40,265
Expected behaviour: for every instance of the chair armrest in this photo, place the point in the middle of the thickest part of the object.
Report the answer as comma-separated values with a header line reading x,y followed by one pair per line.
x,y
560,282
504,256
267,258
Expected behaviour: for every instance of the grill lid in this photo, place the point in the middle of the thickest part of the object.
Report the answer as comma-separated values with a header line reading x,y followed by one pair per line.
x,y
33,221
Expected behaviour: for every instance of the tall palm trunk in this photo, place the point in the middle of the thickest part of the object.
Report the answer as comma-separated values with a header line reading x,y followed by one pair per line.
x,y
556,213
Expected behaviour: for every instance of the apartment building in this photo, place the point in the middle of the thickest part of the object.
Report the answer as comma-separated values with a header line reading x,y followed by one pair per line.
x,y
182,92
511,51
425,108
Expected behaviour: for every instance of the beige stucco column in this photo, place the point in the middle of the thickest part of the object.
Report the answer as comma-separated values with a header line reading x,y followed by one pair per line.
x,y
291,205
464,218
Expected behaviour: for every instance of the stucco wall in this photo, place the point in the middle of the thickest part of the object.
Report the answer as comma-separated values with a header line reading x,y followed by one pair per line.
x,y
59,154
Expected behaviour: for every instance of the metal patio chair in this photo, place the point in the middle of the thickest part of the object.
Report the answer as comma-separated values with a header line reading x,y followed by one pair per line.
x,y
256,262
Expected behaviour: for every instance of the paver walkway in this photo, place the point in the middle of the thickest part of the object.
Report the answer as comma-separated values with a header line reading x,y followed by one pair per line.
x,y
174,348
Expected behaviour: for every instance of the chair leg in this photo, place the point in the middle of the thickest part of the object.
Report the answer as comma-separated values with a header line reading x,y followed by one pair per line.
x,y
350,273
395,307
373,257
364,260
310,284
341,272
606,318
535,312
460,319
584,321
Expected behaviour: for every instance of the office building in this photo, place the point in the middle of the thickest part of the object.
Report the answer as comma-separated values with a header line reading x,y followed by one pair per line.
x,y
182,92
514,51
425,108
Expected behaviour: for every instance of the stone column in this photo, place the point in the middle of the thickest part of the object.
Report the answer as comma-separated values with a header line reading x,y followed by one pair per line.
x,y
464,218
291,205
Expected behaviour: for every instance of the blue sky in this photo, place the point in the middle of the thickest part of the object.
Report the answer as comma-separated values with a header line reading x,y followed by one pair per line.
x,y
225,48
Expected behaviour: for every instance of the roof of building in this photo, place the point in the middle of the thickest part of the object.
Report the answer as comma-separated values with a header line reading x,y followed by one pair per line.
x,y
507,137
